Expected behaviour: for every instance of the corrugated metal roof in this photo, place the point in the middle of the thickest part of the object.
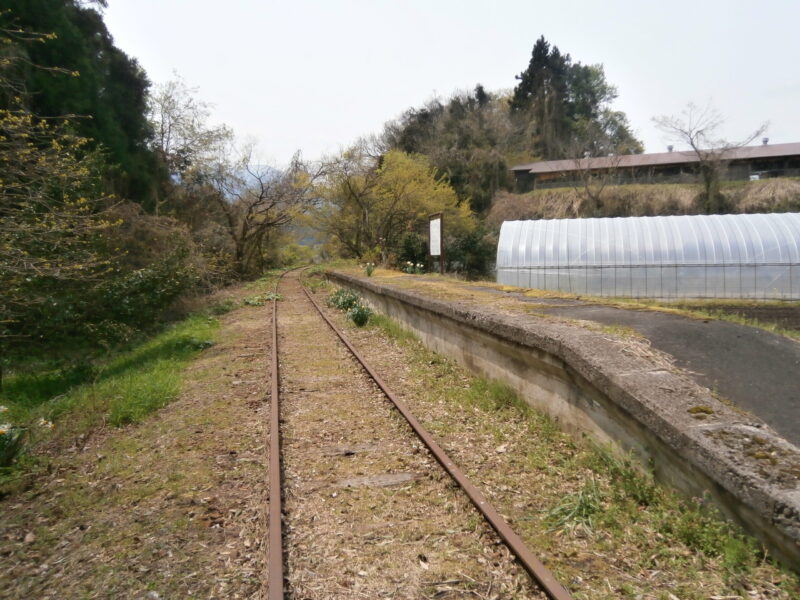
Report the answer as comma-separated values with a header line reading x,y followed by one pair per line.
x,y
659,158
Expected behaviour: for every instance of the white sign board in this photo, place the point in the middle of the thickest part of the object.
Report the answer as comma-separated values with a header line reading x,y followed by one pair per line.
x,y
436,237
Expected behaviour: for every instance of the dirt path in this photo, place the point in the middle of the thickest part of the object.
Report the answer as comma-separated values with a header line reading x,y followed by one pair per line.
x,y
369,514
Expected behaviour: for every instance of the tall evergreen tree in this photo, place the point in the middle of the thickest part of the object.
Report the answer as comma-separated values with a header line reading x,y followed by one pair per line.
x,y
557,101
81,72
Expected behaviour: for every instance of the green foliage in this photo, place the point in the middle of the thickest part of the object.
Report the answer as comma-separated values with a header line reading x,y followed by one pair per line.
x,y
347,300
413,248
577,509
222,308
343,299
370,204
465,139
629,482
559,109
369,268
76,265
137,298
704,531
494,395
412,268
472,254
392,328
563,108
51,226
359,314
262,299
79,71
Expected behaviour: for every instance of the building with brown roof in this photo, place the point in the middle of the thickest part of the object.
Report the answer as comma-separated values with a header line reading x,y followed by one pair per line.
x,y
746,162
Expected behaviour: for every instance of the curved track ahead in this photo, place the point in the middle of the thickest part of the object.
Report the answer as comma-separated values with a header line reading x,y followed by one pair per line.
x,y
277,553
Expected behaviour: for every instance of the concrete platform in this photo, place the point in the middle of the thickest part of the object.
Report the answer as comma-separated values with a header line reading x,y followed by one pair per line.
x,y
757,370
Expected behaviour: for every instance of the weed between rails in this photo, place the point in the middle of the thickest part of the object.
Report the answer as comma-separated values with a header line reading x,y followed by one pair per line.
x,y
589,499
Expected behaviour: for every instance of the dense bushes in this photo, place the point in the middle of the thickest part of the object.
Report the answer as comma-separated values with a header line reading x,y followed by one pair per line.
x,y
413,248
472,254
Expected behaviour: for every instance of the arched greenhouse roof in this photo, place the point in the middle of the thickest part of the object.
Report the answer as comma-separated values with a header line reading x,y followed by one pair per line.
x,y
629,256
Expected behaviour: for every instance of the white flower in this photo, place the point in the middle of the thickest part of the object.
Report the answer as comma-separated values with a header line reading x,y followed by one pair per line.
x,y
45,423
3,409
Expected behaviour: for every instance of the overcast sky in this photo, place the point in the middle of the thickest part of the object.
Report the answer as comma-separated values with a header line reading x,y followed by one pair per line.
x,y
314,76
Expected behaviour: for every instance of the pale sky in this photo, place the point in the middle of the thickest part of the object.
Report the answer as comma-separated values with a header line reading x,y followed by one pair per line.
x,y
313,76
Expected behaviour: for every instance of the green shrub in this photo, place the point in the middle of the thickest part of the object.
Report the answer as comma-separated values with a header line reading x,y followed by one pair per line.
x,y
262,299
138,298
222,308
343,299
412,248
359,314
471,254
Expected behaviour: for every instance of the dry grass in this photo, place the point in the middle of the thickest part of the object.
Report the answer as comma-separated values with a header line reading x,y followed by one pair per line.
x,y
768,195
485,293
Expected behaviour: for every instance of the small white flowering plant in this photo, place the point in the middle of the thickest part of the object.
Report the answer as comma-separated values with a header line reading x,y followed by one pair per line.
x,y
369,268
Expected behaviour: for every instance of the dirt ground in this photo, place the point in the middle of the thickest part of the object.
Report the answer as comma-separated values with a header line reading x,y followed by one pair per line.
x,y
171,508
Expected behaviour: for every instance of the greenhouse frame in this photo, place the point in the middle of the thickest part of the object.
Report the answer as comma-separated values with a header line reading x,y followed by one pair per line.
x,y
753,256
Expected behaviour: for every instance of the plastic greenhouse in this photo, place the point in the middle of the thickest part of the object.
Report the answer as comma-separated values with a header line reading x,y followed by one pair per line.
x,y
702,256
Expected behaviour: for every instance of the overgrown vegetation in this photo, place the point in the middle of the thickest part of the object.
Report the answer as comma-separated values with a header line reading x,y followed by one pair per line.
x,y
116,201
453,156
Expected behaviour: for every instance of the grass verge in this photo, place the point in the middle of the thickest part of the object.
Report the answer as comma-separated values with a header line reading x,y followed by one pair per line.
x,y
54,408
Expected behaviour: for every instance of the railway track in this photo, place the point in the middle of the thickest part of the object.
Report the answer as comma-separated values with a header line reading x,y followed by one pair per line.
x,y
368,508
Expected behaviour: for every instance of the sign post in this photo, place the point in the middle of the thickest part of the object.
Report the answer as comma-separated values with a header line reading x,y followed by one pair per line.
x,y
435,239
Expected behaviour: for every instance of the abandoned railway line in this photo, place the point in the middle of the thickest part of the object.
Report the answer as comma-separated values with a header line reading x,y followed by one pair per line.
x,y
364,508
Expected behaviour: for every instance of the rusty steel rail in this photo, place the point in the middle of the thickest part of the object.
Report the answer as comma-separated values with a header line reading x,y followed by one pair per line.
x,y
275,539
534,567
